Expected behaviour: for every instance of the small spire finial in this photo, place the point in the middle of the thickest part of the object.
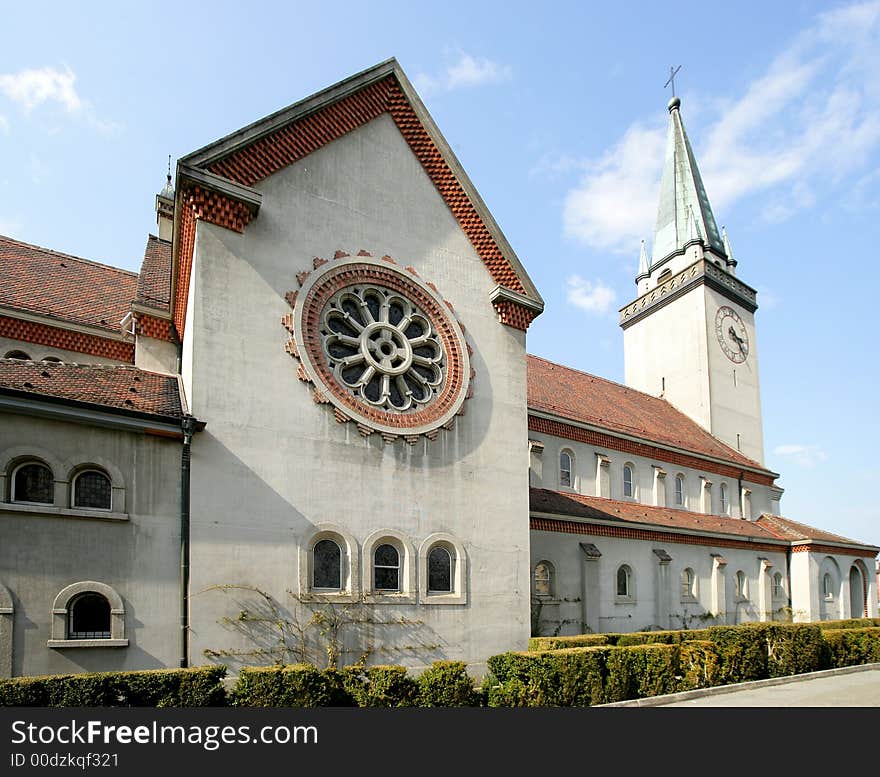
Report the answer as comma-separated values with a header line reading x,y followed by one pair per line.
x,y
169,168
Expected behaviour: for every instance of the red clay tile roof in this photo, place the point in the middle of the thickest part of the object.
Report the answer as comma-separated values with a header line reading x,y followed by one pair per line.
x,y
49,283
581,397
793,531
154,281
114,386
543,500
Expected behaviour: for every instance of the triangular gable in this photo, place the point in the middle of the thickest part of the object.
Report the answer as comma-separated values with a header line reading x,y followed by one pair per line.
x,y
214,183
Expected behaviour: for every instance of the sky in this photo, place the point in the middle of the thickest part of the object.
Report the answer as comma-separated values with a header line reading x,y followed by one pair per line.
x,y
557,111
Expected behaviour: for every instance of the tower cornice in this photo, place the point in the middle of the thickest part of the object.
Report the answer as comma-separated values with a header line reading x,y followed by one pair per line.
x,y
699,273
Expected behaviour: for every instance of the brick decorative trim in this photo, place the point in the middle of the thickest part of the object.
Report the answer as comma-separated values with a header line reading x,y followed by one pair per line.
x,y
816,548
628,533
512,314
158,328
56,337
559,429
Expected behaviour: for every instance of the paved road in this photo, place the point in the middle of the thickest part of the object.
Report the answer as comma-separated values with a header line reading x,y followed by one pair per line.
x,y
850,687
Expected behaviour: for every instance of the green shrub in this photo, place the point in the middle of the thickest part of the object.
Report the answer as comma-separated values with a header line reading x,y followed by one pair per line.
x,y
742,653
637,671
850,623
195,687
447,684
296,685
506,666
851,647
559,643
699,665
793,648
382,686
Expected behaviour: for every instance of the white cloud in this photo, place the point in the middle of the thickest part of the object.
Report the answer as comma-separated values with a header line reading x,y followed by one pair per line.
x,y
467,71
30,89
4,124
800,129
593,297
807,456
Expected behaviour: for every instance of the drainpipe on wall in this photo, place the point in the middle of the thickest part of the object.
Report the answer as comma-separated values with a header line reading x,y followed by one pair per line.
x,y
188,425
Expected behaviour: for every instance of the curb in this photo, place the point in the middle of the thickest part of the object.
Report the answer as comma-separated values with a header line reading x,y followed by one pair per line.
x,y
670,698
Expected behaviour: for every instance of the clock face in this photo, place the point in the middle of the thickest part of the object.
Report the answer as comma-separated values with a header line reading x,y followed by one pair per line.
x,y
732,335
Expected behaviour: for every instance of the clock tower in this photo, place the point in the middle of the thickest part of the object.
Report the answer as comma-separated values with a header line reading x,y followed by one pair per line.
x,y
689,336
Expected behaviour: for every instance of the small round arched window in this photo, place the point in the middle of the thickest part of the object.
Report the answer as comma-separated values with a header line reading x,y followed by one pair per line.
x,y
88,617
386,568
21,355
33,483
326,566
91,489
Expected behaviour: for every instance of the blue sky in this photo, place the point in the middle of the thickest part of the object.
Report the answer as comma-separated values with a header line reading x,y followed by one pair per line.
x,y
558,114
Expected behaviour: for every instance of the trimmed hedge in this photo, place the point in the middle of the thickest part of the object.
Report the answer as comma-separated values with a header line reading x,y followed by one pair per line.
x,y
538,644
196,687
850,623
447,684
850,647
297,685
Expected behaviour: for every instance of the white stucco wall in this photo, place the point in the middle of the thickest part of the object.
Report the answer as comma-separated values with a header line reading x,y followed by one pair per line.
x,y
272,465
135,551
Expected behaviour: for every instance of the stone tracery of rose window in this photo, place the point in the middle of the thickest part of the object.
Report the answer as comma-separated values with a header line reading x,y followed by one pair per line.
x,y
379,344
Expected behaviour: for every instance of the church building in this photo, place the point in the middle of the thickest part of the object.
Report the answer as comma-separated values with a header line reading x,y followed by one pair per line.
x,y
309,427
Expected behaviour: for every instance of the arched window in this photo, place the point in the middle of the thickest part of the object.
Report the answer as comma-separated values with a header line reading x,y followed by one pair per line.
x,y
664,276
386,568
91,489
88,617
565,467
326,566
33,483
688,584
440,572
679,490
778,586
52,359
624,582
828,586
724,501
18,355
628,487
543,578
742,585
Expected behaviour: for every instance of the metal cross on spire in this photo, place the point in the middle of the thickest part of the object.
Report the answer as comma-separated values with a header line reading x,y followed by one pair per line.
x,y
672,72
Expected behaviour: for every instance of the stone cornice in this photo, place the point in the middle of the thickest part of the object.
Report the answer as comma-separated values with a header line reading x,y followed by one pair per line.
x,y
699,273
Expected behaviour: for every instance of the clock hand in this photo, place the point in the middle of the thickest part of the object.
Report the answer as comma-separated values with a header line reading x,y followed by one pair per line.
x,y
735,337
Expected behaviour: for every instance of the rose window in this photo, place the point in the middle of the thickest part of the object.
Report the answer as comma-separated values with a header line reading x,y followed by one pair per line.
x,y
380,345
382,348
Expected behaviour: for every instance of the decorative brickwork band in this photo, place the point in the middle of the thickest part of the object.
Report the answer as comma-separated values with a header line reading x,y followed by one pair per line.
x,y
511,314
814,548
158,328
558,429
620,532
54,337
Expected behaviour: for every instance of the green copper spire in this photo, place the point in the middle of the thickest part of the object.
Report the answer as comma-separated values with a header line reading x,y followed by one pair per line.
x,y
682,197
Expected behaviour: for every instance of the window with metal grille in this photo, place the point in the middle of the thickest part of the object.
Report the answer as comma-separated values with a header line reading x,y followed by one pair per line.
x,y
33,483
439,570
88,617
386,568
326,565
92,489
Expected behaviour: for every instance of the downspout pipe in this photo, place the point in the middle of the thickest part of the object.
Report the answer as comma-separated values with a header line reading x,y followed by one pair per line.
x,y
188,425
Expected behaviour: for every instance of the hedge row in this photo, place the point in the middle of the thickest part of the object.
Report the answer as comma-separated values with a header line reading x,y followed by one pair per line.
x,y
443,684
197,687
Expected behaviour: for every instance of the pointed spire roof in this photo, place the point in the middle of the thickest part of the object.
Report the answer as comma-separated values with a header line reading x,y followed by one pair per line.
x,y
682,196
643,263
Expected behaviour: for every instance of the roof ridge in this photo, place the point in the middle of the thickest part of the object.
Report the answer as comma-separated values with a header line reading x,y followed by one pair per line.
x,y
68,256
775,519
603,379
150,235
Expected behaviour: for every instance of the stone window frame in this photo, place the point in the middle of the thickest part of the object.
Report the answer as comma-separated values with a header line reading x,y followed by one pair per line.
x,y
63,472
551,580
633,491
30,462
459,593
741,586
407,576
350,564
630,596
724,499
24,357
61,615
689,593
777,587
571,471
680,480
